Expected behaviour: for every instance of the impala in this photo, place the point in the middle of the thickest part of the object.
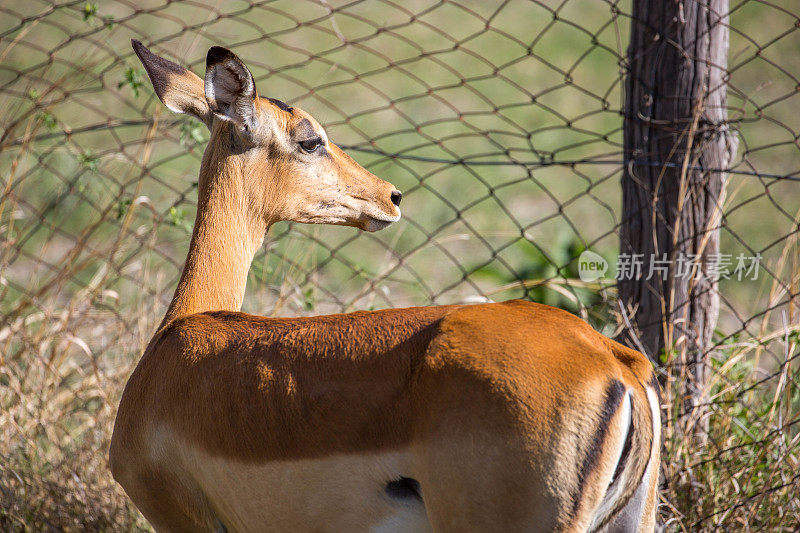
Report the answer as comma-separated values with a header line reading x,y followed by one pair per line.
x,y
497,417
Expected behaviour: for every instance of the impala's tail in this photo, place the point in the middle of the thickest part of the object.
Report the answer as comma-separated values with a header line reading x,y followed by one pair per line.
x,y
631,497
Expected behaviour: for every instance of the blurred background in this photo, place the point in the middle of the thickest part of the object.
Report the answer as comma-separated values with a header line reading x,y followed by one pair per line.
x,y
501,122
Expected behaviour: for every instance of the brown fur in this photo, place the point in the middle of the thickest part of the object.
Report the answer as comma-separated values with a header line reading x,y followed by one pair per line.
x,y
497,410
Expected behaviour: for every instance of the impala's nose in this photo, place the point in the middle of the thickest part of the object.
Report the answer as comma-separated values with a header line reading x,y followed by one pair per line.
x,y
396,197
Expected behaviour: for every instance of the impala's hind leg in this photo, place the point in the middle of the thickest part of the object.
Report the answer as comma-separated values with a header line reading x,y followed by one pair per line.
x,y
485,487
477,474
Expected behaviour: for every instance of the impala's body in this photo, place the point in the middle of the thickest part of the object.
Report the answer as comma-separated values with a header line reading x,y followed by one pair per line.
x,y
497,417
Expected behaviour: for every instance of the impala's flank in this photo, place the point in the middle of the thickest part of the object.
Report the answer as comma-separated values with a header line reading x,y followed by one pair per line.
x,y
497,417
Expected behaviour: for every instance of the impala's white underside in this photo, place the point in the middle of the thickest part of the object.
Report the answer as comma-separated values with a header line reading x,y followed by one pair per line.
x,y
337,493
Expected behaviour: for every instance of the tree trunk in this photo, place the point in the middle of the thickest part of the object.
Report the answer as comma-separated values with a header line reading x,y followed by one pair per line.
x,y
675,126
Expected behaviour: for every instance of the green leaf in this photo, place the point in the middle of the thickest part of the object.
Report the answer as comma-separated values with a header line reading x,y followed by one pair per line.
x,y
89,160
192,132
89,11
308,299
133,79
122,207
177,217
48,120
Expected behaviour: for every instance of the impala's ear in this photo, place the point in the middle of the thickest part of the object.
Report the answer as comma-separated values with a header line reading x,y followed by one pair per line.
x,y
230,88
179,88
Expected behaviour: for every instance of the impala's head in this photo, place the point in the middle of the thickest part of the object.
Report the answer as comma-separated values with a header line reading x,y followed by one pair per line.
x,y
291,169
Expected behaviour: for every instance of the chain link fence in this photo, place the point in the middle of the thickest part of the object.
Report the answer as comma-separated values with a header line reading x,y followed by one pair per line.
x,y
501,122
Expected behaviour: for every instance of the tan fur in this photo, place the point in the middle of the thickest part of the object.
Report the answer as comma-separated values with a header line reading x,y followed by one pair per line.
x,y
511,416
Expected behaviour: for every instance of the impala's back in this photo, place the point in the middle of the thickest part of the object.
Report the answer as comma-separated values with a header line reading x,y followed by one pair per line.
x,y
495,417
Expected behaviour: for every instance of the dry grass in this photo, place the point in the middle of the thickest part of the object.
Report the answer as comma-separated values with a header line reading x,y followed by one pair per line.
x,y
58,410
57,406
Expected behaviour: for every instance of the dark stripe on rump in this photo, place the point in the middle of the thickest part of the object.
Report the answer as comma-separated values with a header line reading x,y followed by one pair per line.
x,y
615,391
641,424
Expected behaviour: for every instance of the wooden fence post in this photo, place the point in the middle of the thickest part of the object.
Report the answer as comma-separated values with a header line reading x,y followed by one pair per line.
x,y
676,141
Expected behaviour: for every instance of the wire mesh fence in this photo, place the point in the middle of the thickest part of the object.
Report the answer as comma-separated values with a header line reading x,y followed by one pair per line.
x,y
501,122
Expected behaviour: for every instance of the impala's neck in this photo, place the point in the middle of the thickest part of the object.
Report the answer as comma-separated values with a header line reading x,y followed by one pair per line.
x,y
227,233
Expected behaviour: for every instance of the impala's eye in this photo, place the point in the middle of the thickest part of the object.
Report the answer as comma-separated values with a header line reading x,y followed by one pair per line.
x,y
311,145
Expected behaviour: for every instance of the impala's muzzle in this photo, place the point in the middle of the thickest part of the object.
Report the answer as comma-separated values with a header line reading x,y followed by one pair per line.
x,y
380,214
